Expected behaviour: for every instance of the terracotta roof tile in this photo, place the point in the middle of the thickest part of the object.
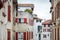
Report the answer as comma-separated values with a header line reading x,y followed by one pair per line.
x,y
47,22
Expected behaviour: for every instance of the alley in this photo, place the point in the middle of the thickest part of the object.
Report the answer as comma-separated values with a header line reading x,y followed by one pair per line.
x,y
29,19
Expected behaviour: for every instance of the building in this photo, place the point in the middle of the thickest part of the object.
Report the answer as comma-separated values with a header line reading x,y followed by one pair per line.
x,y
55,10
46,30
37,27
7,10
24,22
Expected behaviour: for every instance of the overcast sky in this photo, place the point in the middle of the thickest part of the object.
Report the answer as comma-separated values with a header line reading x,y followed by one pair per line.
x,y
41,7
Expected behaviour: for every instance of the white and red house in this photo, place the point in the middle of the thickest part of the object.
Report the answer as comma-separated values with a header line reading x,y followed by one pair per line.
x,y
24,22
7,10
46,30
14,23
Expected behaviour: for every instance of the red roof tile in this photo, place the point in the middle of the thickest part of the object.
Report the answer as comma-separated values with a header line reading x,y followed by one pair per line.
x,y
47,22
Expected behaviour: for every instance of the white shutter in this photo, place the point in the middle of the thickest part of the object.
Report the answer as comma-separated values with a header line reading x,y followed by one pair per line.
x,y
22,20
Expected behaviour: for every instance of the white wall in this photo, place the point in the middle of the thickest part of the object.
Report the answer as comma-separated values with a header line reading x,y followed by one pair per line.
x,y
24,15
21,27
46,33
35,30
47,37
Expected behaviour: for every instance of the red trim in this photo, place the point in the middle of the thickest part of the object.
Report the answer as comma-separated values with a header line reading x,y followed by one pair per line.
x,y
9,13
44,25
31,22
25,20
32,35
9,36
27,36
1,4
16,35
16,20
48,25
24,36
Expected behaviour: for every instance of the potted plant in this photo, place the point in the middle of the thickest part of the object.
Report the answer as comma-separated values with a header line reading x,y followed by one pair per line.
x,y
28,10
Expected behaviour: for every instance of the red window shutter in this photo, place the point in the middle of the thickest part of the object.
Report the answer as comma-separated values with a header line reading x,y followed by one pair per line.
x,y
31,35
16,35
1,4
9,35
24,36
25,20
44,25
9,13
48,25
32,22
16,20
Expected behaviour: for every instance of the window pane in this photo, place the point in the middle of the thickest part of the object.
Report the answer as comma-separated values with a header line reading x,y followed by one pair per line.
x,y
36,20
44,25
48,30
44,30
48,25
44,35
39,28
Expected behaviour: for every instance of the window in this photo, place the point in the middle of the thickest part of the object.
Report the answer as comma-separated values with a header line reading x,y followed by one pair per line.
x,y
20,35
48,25
39,36
48,30
39,28
44,35
40,20
48,34
44,30
36,20
44,25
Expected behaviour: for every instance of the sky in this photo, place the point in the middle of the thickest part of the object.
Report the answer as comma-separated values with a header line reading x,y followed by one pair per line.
x,y
41,7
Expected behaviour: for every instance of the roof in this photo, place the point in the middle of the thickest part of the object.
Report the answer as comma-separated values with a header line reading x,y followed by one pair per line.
x,y
47,22
37,18
26,5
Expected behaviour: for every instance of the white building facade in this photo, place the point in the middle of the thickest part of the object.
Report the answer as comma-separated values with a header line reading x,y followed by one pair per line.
x,y
37,28
7,10
24,22
46,30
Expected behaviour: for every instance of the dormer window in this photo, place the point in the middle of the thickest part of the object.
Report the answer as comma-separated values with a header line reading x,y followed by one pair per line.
x,y
44,25
48,25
